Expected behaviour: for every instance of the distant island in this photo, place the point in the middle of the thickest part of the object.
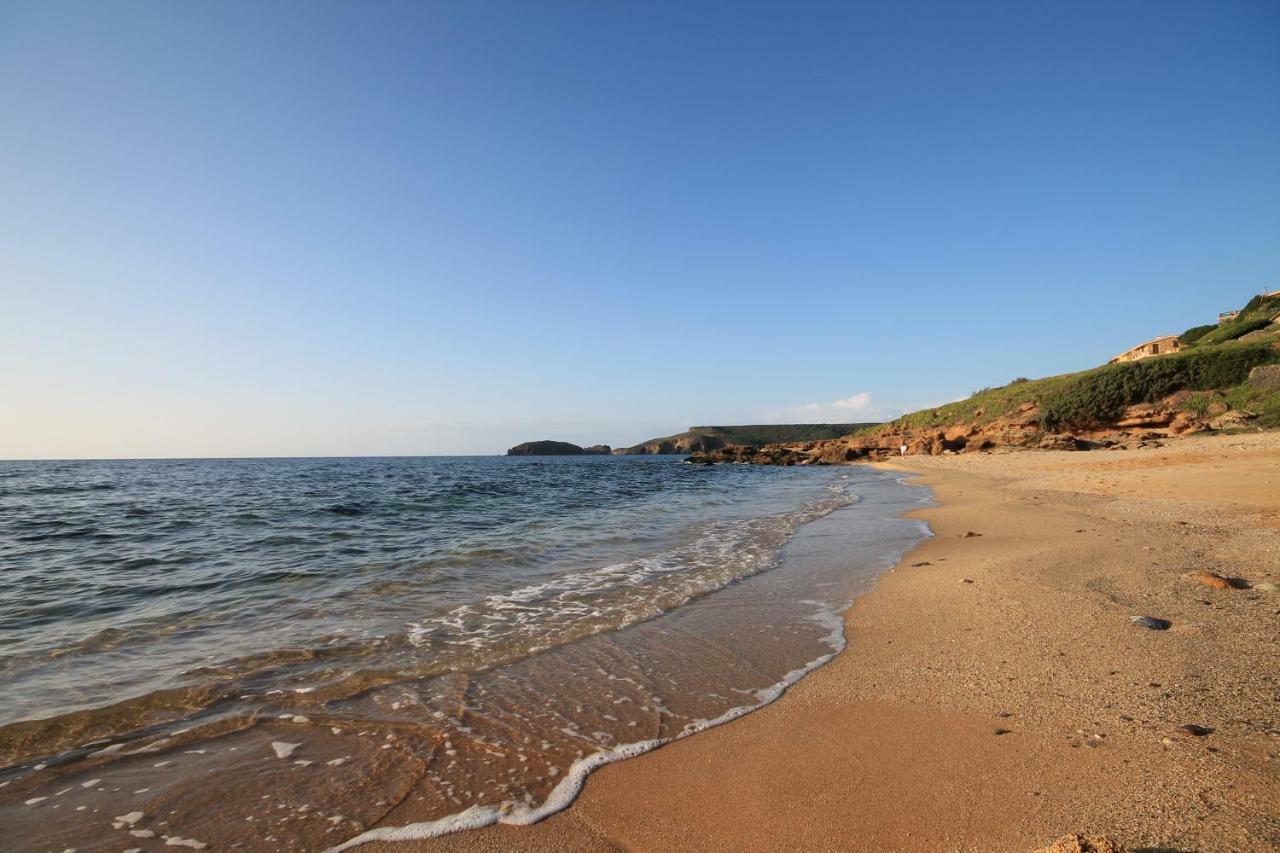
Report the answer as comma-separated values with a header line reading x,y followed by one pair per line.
x,y
557,448
698,438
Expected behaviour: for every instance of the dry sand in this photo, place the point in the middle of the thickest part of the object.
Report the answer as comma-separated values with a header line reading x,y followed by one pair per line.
x,y
995,694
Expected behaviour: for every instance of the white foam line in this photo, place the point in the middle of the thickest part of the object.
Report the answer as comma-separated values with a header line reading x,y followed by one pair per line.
x,y
564,793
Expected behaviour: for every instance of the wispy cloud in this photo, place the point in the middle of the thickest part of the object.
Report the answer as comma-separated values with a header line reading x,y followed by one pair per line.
x,y
851,409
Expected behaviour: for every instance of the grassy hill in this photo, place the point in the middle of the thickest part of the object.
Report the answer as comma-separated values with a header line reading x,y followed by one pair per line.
x,y
1213,369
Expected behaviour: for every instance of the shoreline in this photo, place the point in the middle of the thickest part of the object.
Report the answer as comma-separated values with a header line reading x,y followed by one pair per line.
x,y
808,552
994,694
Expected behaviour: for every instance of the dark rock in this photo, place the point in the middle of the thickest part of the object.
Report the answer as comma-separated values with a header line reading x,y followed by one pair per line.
x,y
1152,622
970,535
1193,730
546,448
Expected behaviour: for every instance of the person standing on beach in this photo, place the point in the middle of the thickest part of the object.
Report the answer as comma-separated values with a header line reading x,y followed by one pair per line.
x,y
903,449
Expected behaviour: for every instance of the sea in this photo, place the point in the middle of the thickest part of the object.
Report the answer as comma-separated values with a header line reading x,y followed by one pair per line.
x,y
308,654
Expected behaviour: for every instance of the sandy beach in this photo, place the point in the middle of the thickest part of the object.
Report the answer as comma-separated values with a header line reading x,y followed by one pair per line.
x,y
995,693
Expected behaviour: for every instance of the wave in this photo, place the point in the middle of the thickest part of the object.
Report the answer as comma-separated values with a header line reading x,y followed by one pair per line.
x,y
516,813
569,607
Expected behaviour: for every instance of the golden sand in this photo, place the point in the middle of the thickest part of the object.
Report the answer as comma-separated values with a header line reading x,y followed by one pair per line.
x,y
995,694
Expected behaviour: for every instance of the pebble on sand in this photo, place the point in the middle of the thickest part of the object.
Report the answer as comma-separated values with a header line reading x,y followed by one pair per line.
x,y
1193,730
282,749
970,535
1152,622
1217,581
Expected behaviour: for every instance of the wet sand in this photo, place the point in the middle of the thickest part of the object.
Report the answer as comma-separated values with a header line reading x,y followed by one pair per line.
x,y
995,694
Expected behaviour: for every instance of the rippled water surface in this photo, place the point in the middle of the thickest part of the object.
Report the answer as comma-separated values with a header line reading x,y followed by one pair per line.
x,y
437,642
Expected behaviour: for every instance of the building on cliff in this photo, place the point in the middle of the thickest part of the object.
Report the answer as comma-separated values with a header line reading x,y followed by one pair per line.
x,y
1156,346
1227,316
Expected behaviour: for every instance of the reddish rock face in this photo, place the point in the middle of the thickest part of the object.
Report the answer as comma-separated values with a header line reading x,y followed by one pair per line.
x,y
1144,425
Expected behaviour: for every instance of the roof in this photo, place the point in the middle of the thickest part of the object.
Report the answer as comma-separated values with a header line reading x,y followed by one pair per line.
x,y
1145,344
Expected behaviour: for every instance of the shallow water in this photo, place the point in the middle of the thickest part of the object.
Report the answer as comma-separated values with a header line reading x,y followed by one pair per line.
x,y
277,654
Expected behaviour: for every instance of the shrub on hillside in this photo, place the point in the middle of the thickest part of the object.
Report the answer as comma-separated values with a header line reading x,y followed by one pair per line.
x,y
1265,304
1234,329
1195,333
1101,395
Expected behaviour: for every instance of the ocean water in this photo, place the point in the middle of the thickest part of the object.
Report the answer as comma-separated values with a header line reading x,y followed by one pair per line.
x,y
281,653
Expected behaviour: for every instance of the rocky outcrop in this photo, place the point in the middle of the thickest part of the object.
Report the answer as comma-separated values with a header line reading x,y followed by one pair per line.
x,y
1266,378
1145,425
771,455
707,438
555,448
675,444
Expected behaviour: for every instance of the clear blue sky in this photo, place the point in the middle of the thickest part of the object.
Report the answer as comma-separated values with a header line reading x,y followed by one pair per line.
x,y
350,228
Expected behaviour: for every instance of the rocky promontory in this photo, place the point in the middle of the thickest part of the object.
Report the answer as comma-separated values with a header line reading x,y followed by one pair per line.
x,y
707,438
557,448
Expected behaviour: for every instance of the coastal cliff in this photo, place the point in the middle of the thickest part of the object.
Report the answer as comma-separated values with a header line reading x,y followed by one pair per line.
x,y
1221,380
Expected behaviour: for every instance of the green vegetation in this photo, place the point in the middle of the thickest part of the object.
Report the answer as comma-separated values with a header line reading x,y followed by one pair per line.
x,y
1260,303
1195,333
1212,367
1254,316
1075,400
1100,395
1234,329
983,406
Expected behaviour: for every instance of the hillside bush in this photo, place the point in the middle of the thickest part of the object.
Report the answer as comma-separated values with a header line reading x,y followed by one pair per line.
x,y
1234,329
1101,395
1195,333
1264,304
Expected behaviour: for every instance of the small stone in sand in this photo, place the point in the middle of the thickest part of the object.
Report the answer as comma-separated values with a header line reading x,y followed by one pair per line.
x,y
1152,622
284,750
966,580
970,535
998,732
1217,581
1193,730
918,565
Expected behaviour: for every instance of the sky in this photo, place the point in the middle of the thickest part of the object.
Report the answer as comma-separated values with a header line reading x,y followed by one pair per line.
x,y
319,228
